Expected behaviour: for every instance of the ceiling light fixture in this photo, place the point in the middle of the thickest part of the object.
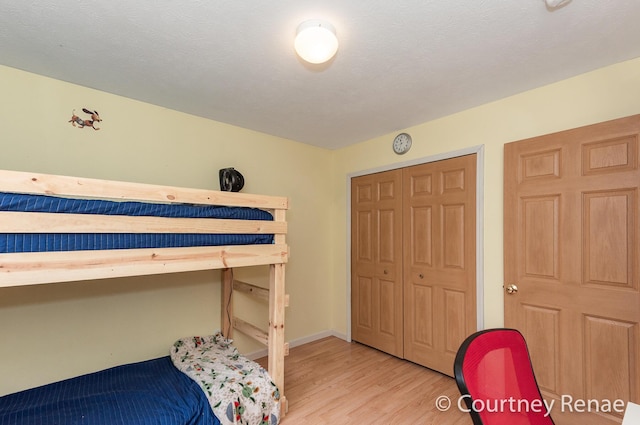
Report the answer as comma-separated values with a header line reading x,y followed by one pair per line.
x,y
316,41
553,4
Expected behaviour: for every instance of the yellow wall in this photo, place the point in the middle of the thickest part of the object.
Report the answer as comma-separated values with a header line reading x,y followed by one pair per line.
x,y
54,331
50,332
605,94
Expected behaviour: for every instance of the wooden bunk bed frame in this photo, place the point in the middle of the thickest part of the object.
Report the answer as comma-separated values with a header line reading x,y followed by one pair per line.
x,y
19,269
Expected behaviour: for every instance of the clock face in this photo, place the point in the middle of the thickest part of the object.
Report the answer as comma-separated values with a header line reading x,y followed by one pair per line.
x,y
402,143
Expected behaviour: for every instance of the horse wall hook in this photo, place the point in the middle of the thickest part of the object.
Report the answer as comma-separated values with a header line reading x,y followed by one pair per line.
x,y
76,121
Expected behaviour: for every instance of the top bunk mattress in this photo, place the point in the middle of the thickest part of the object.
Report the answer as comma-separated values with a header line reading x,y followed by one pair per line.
x,y
40,242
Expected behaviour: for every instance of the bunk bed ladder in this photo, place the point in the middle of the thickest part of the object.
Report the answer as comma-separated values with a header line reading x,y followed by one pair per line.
x,y
277,348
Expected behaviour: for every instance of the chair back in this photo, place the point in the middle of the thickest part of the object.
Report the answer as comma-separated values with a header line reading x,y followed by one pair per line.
x,y
494,375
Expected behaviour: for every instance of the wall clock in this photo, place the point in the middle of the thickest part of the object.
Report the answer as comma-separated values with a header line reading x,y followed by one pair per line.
x,y
402,143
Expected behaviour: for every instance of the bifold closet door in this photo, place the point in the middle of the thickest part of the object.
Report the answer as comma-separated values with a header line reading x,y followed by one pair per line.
x,y
376,261
439,216
413,260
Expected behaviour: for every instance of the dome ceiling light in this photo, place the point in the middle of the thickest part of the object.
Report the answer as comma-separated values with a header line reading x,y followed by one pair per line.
x,y
555,4
316,41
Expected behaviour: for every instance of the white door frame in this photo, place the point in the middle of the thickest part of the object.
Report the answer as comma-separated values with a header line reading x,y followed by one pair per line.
x,y
479,151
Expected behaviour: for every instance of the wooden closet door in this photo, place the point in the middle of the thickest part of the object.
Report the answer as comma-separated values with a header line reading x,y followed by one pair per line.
x,y
439,216
376,261
572,249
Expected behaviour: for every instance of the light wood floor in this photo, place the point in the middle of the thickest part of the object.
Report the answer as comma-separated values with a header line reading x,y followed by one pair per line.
x,y
331,381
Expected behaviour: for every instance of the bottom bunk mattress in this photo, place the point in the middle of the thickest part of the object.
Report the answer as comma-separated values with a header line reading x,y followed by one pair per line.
x,y
204,381
152,392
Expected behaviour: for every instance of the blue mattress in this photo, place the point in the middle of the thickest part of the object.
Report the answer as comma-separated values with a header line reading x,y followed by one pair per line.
x,y
152,392
36,242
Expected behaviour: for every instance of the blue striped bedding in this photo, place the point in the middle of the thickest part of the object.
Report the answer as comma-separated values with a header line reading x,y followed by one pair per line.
x,y
37,242
152,392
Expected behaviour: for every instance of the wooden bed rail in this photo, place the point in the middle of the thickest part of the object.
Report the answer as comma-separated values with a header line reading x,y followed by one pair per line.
x,y
32,268
48,184
27,222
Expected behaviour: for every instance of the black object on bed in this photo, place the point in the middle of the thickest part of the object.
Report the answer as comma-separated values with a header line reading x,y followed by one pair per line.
x,y
152,392
39,242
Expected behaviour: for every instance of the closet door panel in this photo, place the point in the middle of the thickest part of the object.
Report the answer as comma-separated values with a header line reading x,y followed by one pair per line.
x,y
439,260
376,261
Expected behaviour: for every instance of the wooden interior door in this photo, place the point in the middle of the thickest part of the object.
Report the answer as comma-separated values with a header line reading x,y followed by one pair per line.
x,y
572,248
439,216
376,261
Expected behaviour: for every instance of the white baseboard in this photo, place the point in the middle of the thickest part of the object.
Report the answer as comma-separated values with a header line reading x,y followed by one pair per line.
x,y
300,341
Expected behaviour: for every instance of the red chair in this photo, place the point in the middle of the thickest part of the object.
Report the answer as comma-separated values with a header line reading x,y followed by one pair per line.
x,y
495,377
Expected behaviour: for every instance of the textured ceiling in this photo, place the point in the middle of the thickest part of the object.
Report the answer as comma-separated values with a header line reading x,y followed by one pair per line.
x,y
400,63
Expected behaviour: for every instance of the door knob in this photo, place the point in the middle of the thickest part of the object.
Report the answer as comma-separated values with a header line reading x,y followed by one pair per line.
x,y
511,289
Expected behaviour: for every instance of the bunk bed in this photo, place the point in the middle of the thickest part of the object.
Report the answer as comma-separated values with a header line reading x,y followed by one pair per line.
x,y
61,229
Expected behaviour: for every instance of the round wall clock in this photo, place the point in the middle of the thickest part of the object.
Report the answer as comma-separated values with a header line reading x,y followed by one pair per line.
x,y
402,143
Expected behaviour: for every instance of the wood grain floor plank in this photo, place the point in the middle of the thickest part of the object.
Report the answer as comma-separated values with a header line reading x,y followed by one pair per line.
x,y
331,381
